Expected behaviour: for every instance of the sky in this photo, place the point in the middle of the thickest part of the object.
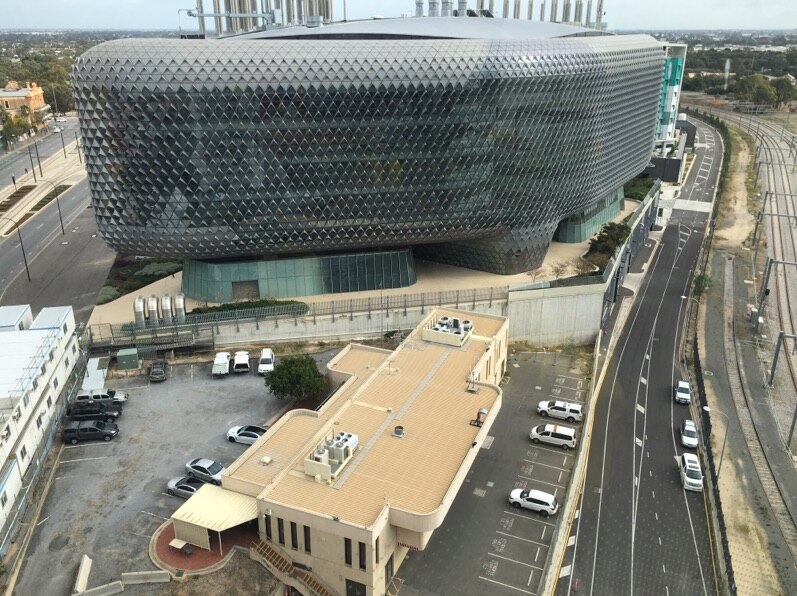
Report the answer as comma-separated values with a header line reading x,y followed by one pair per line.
x,y
620,14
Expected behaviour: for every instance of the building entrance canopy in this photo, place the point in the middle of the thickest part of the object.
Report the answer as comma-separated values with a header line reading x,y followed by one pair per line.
x,y
212,508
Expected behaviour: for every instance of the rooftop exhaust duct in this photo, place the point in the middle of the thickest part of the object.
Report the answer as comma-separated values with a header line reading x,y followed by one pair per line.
x,y
531,9
433,8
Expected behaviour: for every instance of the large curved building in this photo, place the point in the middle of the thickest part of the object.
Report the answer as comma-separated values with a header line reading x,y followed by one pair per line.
x,y
466,139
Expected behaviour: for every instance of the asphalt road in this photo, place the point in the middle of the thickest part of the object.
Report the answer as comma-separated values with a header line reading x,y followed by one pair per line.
x,y
638,531
64,268
16,161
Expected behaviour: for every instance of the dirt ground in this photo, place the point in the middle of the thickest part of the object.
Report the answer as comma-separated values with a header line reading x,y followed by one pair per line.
x,y
227,581
746,540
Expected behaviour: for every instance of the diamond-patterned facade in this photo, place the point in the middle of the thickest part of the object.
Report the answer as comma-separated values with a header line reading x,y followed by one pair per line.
x,y
471,150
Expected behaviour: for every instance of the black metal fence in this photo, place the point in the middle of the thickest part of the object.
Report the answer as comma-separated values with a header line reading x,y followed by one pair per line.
x,y
716,501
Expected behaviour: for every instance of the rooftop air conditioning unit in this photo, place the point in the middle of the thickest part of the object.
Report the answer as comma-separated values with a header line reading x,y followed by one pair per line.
x,y
467,325
443,321
17,414
6,433
321,456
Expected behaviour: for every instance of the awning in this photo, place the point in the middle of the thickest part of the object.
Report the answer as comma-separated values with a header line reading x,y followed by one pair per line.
x,y
218,509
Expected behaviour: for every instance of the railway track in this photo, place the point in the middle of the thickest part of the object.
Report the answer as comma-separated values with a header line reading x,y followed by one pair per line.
x,y
783,246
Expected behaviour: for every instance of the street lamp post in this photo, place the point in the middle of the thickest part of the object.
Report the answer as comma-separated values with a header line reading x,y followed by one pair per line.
x,y
38,159
57,203
32,167
21,246
63,145
724,438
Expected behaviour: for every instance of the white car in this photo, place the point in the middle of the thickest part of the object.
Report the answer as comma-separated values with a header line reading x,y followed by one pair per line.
x,y
57,129
689,434
266,363
561,409
240,362
60,119
683,393
535,500
221,364
689,468
245,434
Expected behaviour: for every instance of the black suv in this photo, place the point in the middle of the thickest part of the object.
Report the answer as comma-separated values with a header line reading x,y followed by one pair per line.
x,y
88,430
89,411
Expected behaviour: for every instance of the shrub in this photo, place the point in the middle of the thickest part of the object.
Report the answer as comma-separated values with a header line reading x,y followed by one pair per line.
x,y
159,269
296,377
106,294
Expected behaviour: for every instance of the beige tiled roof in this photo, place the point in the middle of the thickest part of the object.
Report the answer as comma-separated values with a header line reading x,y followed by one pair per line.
x,y
422,386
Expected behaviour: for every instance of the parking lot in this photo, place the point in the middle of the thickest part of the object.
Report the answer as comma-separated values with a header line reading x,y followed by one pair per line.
x,y
107,499
485,545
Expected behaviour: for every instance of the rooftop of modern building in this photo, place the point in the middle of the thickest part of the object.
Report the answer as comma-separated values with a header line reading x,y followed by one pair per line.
x,y
422,386
12,315
427,28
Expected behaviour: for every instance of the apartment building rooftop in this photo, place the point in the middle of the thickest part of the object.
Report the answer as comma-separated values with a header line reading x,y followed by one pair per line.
x,y
425,387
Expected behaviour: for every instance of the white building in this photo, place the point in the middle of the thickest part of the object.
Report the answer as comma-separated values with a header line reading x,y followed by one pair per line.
x,y
37,358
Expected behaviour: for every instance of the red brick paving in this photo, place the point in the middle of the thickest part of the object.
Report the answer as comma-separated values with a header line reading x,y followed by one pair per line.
x,y
244,535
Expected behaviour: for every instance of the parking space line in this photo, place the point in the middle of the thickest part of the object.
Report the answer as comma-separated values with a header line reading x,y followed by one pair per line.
x,y
137,387
69,461
531,574
543,481
513,561
154,515
103,444
529,518
549,450
487,579
536,463
137,534
523,539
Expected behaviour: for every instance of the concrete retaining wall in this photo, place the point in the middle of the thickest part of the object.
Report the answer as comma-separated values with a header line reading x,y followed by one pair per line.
x,y
145,577
83,571
112,588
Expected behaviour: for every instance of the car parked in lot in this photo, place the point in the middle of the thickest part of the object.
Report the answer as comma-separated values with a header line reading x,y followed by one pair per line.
x,y
682,392
688,434
561,409
159,371
554,434
60,119
103,396
266,363
88,430
689,468
221,365
184,486
90,411
205,469
245,434
534,500
240,362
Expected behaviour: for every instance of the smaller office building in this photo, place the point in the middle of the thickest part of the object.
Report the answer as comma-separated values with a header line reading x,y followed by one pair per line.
x,y
343,493
37,357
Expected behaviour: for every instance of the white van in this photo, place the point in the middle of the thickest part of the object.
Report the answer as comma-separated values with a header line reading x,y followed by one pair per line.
x,y
221,364
266,362
554,434
240,362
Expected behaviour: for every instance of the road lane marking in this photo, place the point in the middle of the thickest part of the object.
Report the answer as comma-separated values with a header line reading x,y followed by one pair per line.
x,y
572,540
487,579
544,529
531,574
641,408
565,571
42,521
638,441
102,444
537,554
643,380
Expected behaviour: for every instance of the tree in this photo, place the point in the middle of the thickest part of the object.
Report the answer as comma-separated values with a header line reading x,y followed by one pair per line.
x,y
755,89
784,91
296,377
14,127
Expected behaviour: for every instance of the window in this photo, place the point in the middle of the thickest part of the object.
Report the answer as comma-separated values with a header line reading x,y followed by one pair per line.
x,y
307,539
3,499
55,383
38,421
35,384
280,531
23,453
376,549
49,401
74,347
64,327
362,555
347,551
66,363
26,400
294,536
267,523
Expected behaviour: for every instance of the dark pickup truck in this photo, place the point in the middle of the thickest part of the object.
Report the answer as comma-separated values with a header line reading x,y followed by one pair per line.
x,y
82,411
88,430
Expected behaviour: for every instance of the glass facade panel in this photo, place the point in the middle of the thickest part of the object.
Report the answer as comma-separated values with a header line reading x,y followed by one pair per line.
x,y
469,149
